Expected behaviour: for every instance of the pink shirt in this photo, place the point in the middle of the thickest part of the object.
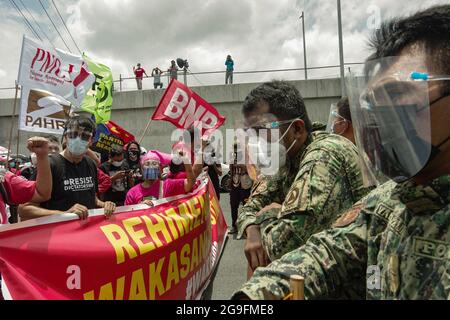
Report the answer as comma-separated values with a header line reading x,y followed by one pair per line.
x,y
179,175
171,187
18,189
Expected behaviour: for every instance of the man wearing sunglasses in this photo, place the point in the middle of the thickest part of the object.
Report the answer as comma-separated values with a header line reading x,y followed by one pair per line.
x,y
317,177
74,175
395,242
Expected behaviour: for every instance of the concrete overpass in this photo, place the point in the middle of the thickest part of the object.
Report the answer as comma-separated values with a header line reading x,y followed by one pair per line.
x,y
132,109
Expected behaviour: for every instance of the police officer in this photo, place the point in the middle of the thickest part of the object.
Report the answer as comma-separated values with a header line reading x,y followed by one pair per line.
x,y
317,176
395,242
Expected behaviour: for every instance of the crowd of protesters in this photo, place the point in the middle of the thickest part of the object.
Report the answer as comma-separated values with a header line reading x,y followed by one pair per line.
x,y
64,175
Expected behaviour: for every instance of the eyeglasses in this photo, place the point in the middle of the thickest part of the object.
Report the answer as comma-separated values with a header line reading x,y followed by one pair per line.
x,y
270,125
84,135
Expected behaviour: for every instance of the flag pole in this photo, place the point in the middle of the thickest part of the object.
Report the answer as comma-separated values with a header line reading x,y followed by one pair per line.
x,y
12,126
145,131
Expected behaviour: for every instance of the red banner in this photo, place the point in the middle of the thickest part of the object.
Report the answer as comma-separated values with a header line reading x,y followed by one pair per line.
x,y
183,107
166,252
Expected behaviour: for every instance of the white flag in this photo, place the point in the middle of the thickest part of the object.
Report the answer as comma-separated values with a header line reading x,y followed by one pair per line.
x,y
53,82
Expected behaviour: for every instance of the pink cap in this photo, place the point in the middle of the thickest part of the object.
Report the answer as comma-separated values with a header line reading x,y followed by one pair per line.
x,y
163,158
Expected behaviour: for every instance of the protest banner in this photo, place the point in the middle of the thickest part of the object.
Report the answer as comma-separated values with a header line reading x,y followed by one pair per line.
x,y
53,81
109,134
183,108
169,251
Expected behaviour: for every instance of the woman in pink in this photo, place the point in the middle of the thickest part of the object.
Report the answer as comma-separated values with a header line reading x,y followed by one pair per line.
x,y
153,187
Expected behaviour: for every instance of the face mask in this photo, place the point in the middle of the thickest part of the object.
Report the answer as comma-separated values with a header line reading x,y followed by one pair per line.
x,y
271,155
77,146
333,130
151,173
117,163
133,155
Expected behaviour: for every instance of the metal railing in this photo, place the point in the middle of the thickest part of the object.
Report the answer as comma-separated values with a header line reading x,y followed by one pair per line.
x,y
119,84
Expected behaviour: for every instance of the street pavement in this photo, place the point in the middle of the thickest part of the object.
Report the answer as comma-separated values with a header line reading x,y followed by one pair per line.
x,y
232,270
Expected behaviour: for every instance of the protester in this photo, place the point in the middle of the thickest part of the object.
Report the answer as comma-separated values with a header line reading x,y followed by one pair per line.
x,y
120,174
104,181
393,244
341,120
230,69
177,170
156,74
173,70
17,190
153,187
53,147
241,185
205,159
133,156
319,180
139,73
74,175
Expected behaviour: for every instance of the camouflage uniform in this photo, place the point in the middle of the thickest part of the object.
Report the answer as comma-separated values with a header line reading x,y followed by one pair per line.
x,y
393,244
314,188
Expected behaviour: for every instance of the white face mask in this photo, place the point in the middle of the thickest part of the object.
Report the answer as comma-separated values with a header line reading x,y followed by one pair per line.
x,y
333,128
117,163
77,147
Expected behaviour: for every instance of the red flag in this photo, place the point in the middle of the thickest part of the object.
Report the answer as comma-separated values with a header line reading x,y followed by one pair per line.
x,y
119,132
184,108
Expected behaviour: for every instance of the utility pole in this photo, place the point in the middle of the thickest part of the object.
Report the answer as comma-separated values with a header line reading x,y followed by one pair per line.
x,y
304,44
341,48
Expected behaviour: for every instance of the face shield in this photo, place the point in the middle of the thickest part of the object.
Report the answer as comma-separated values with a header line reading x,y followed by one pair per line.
x,y
151,169
391,118
334,120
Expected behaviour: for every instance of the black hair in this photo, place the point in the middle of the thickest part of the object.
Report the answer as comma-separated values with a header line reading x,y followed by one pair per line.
x,y
52,138
116,149
127,148
343,109
284,101
176,168
430,27
80,121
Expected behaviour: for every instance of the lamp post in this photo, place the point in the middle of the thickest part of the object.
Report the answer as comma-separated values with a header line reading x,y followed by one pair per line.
x,y
304,44
341,48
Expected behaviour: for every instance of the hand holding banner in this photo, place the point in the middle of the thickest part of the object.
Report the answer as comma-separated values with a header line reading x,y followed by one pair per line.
x,y
166,252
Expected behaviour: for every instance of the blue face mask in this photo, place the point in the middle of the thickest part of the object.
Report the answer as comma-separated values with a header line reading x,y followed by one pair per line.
x,y
151,173
77,146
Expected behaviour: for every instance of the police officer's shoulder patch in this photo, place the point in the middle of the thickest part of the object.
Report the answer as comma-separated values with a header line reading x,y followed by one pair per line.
x,y
348,217
292,200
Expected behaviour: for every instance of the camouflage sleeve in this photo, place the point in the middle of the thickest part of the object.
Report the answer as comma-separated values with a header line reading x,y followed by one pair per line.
x,y
320,193
332,262
266,192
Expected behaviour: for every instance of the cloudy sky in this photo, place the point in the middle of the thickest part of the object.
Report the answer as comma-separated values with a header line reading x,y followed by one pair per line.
x,y
259,34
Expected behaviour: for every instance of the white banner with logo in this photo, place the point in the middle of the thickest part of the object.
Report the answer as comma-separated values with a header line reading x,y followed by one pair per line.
x,y
53,82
